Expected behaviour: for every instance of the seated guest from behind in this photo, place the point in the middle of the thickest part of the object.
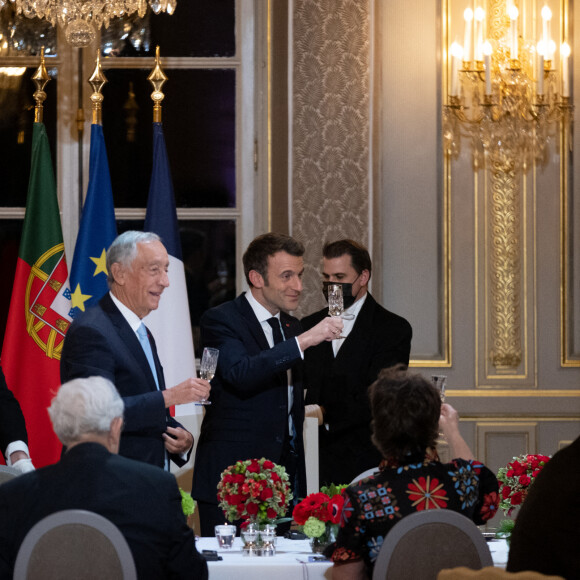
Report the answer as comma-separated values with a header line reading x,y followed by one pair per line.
x,y
142,500
407,416
546,536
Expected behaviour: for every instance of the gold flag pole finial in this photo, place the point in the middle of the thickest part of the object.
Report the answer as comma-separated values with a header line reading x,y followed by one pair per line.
x,y
97,81
157,78
40,79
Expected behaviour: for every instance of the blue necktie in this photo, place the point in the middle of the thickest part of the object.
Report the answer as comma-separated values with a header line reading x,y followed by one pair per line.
x,y
144,340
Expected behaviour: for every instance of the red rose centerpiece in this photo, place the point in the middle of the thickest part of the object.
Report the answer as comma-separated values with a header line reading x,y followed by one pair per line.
x,y
319,515
254,490
514,484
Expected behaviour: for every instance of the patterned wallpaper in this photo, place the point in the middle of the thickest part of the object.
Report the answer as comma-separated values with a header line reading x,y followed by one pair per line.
x,y
330,125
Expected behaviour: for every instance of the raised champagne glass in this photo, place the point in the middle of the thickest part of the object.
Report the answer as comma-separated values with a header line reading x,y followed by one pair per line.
x,y
335,302
207,368
439,382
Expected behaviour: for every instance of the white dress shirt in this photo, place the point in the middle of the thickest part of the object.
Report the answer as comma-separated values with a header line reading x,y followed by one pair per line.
x,y
348,323
263,314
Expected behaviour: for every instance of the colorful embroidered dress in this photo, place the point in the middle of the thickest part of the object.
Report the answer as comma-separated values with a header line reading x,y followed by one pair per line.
x,y
375,504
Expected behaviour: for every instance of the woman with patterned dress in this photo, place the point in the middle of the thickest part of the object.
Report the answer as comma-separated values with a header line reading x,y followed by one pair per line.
x,y
407,417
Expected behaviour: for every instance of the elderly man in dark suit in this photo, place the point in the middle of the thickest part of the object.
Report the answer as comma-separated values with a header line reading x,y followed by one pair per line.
x,y
142,501
13,435
111,341
338,374
257,405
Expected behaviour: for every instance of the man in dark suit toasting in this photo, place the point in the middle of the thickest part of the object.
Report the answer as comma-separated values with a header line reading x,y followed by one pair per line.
x,y
110,340
339,373
257,405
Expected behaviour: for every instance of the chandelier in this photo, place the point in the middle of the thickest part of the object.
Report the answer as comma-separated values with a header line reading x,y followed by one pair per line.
x,y
81,19
505,92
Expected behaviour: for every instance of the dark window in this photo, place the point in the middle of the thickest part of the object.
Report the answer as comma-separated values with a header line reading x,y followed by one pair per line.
x,y
199,126
16,120
196,29
23,36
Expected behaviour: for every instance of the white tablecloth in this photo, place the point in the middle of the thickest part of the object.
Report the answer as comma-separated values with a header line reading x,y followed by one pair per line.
x,y
291,561
499,552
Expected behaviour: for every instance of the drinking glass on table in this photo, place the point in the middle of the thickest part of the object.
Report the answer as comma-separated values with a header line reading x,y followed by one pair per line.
x,y
207,368
335,302
225,535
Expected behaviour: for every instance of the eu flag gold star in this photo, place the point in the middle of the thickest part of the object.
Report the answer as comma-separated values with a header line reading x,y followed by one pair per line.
x,y
101,263
78,299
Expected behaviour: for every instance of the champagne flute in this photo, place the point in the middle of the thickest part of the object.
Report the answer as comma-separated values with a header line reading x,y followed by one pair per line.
x,y
439,382
335,302
207,368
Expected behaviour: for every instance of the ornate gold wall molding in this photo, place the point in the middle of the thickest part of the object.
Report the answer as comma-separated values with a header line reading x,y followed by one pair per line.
x,y
330,129
505,269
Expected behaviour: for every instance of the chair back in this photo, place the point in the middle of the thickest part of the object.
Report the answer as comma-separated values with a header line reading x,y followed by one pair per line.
x,y
424,543
7,473
364,474
74,544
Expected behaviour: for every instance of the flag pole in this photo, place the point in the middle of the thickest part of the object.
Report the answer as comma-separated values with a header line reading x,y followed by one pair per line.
x,y
97,81
157,78
40,79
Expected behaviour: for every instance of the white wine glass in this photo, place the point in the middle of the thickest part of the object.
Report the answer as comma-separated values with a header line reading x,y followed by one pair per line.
x,y
335,302
207,368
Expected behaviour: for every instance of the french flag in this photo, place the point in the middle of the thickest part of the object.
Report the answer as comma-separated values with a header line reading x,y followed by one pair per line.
x,y
170,324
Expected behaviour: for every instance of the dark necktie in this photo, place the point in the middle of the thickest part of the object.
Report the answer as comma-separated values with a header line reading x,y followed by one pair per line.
x,y
279,337
276,329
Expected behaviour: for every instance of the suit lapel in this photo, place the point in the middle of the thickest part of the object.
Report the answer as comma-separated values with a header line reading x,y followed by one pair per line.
x,y
290,325
359,336
253,325
129,338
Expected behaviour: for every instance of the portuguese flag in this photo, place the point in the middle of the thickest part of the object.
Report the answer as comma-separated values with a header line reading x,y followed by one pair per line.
x,y
39,314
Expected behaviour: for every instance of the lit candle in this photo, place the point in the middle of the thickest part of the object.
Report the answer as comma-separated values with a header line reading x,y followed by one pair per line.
x,y
513,14
468,16
540,83
546,18
487,61
456,56
565,53
479,16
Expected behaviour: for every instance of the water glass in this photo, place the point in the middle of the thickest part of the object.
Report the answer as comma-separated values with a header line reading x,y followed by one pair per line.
x,y
225,535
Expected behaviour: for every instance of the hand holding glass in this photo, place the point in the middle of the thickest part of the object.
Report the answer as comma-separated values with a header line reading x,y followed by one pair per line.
x,y
207,368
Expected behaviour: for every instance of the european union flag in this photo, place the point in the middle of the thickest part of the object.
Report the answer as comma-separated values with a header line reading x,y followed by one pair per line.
x,y
88,275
